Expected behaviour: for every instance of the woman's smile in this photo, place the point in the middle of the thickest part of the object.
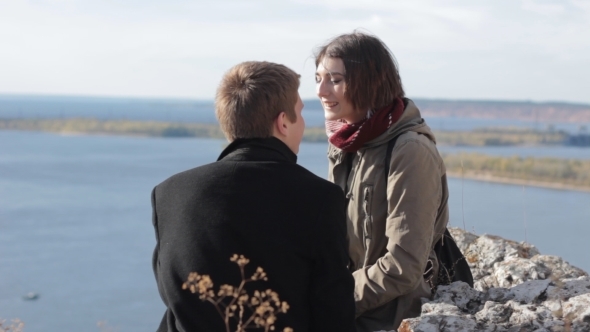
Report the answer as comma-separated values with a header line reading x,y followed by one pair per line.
x,y
331,88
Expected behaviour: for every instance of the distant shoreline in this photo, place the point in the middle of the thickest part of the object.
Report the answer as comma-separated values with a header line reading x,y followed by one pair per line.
x,y
518,182
476,137
26,106
554,173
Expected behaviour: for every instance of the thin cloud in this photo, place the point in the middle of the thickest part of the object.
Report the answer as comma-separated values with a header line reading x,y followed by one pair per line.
x,y
446,49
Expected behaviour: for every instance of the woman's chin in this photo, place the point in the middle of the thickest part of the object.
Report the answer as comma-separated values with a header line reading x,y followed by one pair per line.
x,y
331,116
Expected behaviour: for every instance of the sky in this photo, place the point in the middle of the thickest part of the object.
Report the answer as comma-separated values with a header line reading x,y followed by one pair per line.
x,y
536,50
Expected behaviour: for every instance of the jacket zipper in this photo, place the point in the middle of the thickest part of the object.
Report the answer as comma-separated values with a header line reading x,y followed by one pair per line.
x,y
352,174
368,222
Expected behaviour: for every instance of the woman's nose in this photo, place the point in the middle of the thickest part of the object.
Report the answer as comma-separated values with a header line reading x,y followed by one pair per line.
x,y
321,89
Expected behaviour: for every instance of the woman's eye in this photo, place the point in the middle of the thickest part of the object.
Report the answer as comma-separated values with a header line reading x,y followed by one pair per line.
x,y
318,79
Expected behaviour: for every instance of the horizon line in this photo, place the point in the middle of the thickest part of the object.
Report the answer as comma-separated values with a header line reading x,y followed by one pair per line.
x,y
189,99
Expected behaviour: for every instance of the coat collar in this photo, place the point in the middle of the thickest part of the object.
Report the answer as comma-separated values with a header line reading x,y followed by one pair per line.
x,y
258,149
411,120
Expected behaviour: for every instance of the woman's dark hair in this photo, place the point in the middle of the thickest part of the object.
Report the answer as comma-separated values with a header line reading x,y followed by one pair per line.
x,y
372,77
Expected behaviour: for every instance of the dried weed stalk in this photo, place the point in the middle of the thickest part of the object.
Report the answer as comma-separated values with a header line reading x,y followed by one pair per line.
x,y
234,303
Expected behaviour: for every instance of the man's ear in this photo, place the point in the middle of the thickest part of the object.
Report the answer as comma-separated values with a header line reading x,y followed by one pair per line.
x,y
281,125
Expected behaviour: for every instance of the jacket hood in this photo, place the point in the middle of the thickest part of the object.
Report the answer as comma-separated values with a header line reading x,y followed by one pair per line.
x,y
411,120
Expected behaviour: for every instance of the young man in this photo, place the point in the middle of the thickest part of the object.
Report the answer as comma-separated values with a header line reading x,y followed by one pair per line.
x,y
257,202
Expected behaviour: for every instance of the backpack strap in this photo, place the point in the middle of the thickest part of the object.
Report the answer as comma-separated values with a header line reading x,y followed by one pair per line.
x,y
428,271
452,264
390,146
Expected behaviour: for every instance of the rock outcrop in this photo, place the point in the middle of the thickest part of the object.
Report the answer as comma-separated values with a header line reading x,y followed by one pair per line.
x,y
516,289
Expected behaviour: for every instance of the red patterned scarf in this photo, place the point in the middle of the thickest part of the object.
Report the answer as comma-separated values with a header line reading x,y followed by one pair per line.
x,y
351,137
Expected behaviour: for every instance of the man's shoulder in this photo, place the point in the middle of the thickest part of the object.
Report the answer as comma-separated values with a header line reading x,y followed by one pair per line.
x,y
212,172
318,187
193,174
314,179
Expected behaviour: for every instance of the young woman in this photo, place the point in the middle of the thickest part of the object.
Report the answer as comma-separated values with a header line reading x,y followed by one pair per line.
x,y
397,201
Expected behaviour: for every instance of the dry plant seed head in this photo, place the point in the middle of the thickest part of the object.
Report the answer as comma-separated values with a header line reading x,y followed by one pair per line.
x,y
284,307
274,297
240,260
243,299
264,308
226,290
232,309
259,274
232,302
271,320
201,284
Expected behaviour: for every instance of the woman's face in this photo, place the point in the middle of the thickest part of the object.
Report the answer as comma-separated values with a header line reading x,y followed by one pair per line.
x,y
330,88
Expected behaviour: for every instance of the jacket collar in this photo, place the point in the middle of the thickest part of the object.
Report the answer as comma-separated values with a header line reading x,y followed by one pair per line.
x,y
411,120
258,149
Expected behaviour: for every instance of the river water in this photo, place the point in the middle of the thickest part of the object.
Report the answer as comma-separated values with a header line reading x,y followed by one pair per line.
x,y
75,223
75,216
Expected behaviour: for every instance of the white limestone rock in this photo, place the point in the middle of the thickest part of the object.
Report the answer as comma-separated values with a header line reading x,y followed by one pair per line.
x,y
565,289
517,270
439,323
577,311
530,291
463,238
494,313
559,269
435,308
528,315
516,289
460,295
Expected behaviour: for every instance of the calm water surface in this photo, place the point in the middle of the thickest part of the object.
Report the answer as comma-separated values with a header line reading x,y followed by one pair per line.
x,y
75,223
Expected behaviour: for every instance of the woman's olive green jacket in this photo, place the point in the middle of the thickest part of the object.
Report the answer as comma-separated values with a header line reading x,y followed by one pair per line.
x,y
393,221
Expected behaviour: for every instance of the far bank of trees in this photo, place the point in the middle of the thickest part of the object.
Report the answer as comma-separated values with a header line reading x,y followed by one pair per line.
x,y
570,172
478,137
559,171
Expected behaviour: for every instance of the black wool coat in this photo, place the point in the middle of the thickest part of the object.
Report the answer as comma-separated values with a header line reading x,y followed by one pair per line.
x,y
257,202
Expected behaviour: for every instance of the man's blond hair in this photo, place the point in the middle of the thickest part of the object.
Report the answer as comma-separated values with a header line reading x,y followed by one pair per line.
x,y
251,95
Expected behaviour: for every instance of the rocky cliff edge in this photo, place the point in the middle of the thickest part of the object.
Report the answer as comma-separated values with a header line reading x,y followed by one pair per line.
x,y
516,289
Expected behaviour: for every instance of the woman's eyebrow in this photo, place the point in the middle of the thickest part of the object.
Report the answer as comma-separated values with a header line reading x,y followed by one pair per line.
x,y
331,73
